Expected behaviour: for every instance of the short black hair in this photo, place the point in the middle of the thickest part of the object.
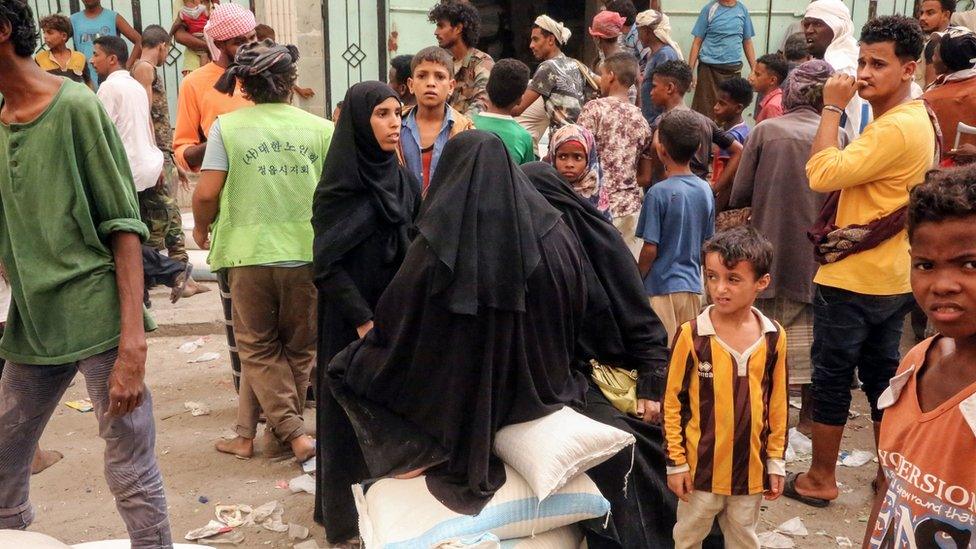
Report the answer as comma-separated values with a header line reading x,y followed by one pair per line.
x,y
23,31
624,67
678,71
458,12
739,89
678,132
903,31
625,8
113,45
947,5
776,64
946,194
433,54
742,244
401,67
795,47
507,82
929,51
154,35
263,31
57,22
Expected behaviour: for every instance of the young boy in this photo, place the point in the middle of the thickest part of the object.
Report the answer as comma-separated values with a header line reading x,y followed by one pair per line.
x,y
929,428
428,126
95,21
725,400
508,81
678,216
623,142
397,77
57,59
770,73
734,95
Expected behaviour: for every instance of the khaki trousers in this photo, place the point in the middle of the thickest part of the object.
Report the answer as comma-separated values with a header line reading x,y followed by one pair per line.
x,y
675,309
276,329
627,225
737,517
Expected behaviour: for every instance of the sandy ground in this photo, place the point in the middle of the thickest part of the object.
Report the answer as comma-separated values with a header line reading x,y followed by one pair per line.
x,y
74,505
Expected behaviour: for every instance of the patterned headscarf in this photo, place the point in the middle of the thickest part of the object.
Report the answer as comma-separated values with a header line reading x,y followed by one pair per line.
x,y
607,24
957,48
589,185
804,85
661,26
227,21
263,59
554,28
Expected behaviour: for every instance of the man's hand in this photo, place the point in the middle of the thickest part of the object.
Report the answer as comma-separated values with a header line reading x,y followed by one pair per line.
x,y
125,384
305,93
364,329
680,484
840,89
202,237
649,410
183,178
776,484
965,154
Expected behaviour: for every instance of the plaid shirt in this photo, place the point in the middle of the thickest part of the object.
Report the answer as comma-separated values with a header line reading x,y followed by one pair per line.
x,y
471,92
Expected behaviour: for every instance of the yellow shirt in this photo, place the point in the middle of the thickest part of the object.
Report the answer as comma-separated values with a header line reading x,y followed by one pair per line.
x,y
874,174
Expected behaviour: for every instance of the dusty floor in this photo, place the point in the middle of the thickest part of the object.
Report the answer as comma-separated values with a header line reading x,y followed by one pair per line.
x,y
74,505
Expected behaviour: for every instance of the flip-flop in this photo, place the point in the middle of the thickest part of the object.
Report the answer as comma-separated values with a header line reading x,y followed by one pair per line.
x,y
177,291
789,490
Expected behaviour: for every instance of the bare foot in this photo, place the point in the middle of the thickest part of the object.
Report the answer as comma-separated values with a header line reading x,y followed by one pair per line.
x,y
808,486
44,459
303,447
238,447
411,474
193,288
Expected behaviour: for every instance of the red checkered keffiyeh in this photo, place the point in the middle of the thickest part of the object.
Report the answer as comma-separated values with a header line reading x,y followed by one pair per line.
x,y
227,21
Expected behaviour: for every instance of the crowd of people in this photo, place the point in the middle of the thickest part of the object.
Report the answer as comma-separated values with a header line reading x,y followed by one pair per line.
x,y
472,245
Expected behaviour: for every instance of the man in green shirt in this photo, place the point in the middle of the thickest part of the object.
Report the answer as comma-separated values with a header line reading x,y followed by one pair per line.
x,y
70,242
508,81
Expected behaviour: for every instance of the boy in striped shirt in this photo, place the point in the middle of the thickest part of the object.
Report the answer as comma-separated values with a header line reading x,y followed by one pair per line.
x,y
725,402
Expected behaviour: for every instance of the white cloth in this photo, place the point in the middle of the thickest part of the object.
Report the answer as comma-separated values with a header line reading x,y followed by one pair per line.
x,y
661,26
127,105
554,28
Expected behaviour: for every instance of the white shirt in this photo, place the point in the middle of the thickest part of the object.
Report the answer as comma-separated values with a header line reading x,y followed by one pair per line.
x,y
127,105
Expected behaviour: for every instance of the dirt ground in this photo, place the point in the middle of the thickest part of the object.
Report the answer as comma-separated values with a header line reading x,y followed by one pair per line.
x,y
74,505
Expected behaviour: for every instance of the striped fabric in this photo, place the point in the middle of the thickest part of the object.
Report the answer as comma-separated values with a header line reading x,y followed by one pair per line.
x,y
725,414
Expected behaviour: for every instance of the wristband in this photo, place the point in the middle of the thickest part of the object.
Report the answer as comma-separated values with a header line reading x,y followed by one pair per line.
x,y
834,108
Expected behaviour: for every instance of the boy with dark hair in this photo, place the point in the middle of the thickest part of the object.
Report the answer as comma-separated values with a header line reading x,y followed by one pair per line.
x,y
863,289
725,401
458,26
623,142
929,427
398,75
677,217
95,21
734,95
509,78
428,125
57,58
669,85
76,283
767,79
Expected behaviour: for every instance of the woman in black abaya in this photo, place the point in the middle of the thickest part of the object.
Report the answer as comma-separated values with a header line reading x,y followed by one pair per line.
x,y
476,331
362,211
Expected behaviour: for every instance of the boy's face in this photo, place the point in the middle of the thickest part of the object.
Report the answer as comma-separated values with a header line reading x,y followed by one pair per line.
x,y
732,289
762,79
944,274
54,38
726,109
103,62
931,16
570,161
447,35
883,74
431,84
606,79
661,91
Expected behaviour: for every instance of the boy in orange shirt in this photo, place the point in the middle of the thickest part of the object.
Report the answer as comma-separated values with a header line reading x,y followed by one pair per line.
x,y
928,434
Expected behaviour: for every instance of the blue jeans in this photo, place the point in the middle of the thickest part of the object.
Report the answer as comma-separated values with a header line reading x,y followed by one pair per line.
x,y
853,331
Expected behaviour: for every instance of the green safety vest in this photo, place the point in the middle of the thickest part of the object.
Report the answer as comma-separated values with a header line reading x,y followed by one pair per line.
x,y
275,154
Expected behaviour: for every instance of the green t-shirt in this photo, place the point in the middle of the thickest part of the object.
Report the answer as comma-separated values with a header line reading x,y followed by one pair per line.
x,y
65,187
517,139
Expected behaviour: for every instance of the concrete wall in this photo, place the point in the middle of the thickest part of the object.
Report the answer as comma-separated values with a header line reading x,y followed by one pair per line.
x,y
299,22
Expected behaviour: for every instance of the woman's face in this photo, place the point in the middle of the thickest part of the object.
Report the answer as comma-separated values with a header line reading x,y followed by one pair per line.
x,y
386,124
571,161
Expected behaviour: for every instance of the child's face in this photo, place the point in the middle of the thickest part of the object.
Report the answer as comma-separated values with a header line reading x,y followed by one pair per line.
x,y
431,84
944,274
661,90
606,79
726,109
571,161
54,38
732,289
762,79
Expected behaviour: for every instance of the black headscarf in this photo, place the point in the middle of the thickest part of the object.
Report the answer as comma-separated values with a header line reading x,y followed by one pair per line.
x,y
958,49
263,60
621,329
359,180
485,234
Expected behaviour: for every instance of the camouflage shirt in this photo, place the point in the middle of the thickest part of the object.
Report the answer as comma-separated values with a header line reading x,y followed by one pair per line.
x,y
160,117
471,92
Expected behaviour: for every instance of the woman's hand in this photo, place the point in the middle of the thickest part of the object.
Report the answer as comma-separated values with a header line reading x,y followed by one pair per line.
x,y
364,329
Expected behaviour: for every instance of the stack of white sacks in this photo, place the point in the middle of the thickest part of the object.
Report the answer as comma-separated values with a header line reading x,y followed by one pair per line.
x,y
546,493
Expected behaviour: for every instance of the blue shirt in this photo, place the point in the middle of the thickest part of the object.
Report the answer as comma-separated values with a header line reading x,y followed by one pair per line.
x,y
722,32
666,53
679,216
410,143
739,132
87,30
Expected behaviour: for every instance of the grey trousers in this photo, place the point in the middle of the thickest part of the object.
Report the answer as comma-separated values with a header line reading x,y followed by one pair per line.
x,y
30,394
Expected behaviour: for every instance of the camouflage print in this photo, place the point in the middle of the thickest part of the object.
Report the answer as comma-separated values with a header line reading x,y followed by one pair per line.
x,y
161,214
471,92
160,116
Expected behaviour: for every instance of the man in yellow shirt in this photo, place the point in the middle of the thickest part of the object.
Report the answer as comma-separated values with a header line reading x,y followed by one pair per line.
x,y
862,286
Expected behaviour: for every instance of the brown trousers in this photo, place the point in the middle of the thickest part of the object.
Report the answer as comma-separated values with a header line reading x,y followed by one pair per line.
x,y
275,325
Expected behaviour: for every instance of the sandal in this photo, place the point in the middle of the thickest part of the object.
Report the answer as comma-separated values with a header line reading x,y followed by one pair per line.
x,y
789,490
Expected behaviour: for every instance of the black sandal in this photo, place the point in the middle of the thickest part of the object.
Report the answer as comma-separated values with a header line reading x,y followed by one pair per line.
x,y
789,490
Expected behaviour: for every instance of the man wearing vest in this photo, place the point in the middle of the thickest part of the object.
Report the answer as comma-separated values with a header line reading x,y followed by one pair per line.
x,y
254,199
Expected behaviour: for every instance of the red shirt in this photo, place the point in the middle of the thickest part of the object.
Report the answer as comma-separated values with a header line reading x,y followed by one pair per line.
x,y
426,155
771,105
